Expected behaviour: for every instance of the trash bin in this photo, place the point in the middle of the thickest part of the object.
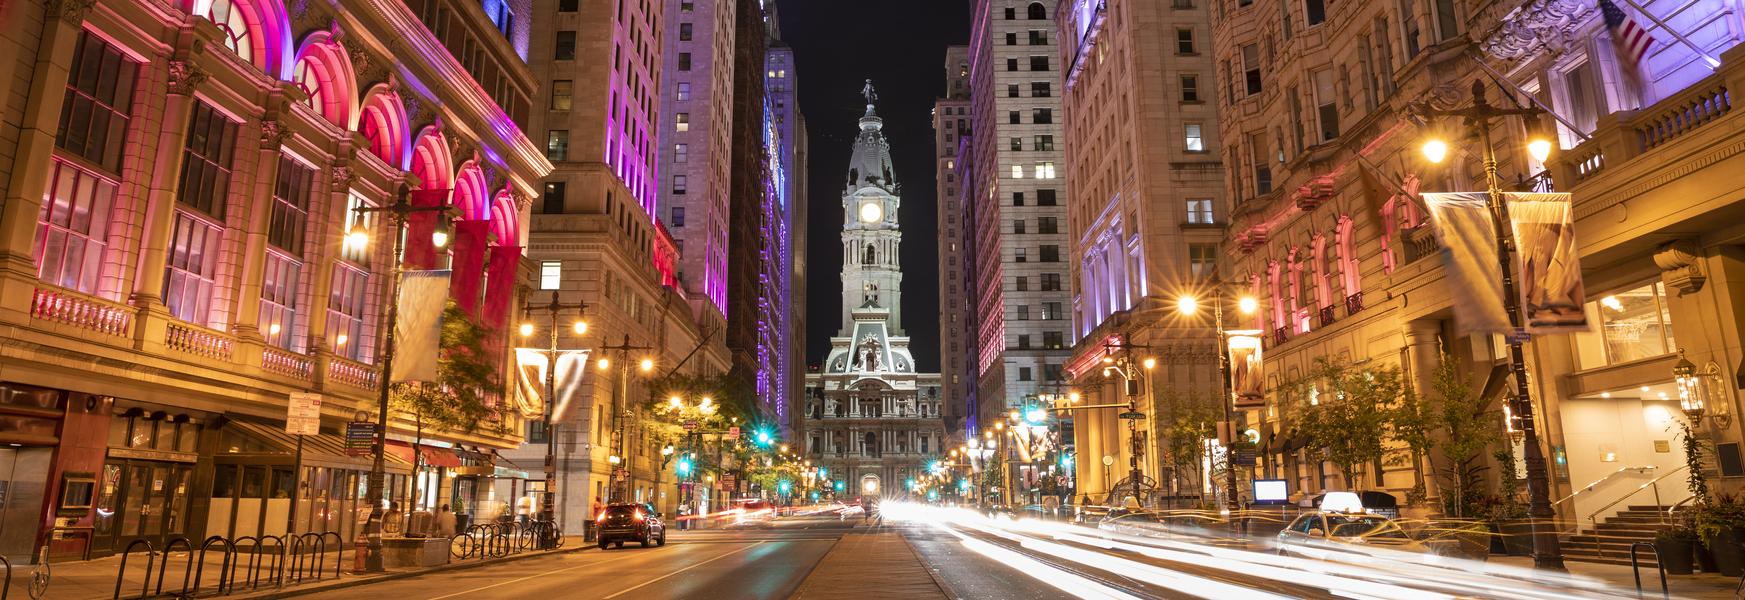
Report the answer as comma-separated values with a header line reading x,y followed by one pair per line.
x,y
589,533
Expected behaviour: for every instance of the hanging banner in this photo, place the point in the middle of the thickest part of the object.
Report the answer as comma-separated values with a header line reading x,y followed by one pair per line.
x,y
418,330
530,369
1245,368
1471,269
1550,286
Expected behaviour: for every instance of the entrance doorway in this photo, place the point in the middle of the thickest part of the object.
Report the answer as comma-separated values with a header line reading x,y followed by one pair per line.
x,y
141,499
23,482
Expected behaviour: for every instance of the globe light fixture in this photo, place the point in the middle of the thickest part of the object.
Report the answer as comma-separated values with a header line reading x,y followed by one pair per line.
x,y
1435,151
1187,305
581,327
526,329
1248,305
1539,148
603,364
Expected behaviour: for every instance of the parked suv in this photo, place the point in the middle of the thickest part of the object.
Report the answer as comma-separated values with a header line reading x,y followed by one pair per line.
x,y
621,523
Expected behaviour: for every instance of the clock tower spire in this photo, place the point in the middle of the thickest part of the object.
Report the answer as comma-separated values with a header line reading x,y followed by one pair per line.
x,y
871,275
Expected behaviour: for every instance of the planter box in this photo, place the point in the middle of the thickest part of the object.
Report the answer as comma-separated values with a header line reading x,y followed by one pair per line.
x,y
414,552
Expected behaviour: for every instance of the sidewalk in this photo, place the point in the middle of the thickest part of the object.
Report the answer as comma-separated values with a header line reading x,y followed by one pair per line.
x,y
1701,586
870,559
95,579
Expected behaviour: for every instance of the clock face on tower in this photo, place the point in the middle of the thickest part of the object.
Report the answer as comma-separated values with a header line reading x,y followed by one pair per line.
x,y
871,212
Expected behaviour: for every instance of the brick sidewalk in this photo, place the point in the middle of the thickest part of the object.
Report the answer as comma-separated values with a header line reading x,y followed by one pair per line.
x,y
1701,586
870,559
95,579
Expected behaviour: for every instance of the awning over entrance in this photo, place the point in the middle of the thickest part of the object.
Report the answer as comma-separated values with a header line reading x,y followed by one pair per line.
x,y
322,450
428,456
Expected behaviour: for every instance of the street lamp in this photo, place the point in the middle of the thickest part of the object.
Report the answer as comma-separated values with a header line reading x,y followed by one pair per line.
x,y
357,239
1547,553
1247,305
548,503
621,410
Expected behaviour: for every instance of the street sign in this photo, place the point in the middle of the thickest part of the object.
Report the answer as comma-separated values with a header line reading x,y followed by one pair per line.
x,y
733,432
1518,336
691,425
1132,415
303,414
729,483
360,438
1243,457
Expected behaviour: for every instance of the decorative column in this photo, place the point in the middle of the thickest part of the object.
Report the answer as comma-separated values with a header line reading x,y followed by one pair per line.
x,y
257,214
36,142
1424,350
184,77
326,234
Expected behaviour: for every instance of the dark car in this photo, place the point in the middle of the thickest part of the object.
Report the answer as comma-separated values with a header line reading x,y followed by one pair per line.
x,y
621,523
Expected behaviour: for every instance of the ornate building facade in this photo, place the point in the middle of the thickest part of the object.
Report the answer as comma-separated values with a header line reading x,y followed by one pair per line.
x,y
179,176
870,415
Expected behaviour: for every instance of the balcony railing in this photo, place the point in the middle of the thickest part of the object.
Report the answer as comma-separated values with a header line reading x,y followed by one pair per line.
x,y
354,374
274,360
70,308
198,341
1621,137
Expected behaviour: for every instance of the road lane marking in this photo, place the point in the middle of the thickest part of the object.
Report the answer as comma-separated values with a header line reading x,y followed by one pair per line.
x,y
503,583
651,581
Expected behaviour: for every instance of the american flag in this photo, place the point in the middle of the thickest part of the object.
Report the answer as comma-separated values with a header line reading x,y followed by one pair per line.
x,y
1633,41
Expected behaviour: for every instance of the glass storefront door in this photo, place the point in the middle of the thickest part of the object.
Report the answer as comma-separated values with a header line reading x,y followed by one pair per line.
x,y
142,499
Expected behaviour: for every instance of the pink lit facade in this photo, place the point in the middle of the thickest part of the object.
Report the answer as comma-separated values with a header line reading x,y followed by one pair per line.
x,y
177,191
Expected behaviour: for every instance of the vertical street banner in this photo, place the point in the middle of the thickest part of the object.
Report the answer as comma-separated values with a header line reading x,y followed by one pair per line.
x,y
1549,285
418,330
530,368
1245,371
1470,264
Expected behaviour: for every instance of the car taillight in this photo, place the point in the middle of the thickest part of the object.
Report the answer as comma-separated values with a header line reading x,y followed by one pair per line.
x,y
601,518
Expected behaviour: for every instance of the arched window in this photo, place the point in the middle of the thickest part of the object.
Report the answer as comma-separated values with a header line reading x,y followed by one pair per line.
x,y
309,80
1037,12
867,256
229,19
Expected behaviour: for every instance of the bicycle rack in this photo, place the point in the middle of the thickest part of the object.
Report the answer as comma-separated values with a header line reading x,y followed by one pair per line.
x,y
223,566
338,551
165,565
150,559
1636,568
6,584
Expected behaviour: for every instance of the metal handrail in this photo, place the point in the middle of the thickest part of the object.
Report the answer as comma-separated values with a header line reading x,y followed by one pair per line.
x,y
1590,487
1651,483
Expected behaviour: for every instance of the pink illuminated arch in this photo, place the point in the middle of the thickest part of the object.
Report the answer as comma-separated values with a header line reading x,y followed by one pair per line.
x,y
505,220
258,31
324,72
469,192
431,161
383,124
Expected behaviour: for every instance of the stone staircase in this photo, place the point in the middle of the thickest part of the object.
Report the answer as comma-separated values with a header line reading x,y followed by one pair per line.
x,y
1609,541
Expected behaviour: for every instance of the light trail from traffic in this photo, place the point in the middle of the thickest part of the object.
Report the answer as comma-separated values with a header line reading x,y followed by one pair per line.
x,y
1196,564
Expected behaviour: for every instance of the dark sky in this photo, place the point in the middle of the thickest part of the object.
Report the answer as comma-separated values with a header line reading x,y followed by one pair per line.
x,y
900,45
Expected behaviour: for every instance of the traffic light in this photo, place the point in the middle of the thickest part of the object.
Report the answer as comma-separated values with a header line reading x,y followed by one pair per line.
x,y
1066,461
764,438
839,486
784,486
684,466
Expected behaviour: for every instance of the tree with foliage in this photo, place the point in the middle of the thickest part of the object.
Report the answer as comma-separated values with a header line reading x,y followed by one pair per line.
x,y
1465,430
1185,427
1348,413
467,394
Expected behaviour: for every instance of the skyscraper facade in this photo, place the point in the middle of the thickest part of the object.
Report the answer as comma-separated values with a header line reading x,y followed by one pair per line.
x,y
1022,290
596,240
781,76
1146,214
696,125
957,350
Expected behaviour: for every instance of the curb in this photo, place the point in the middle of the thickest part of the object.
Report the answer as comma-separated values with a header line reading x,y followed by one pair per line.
x,y
359,581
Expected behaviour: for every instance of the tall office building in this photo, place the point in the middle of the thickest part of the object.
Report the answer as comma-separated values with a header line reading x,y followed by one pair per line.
x,y
781,79
957,350
1022,291
597,242
696,125
1146,214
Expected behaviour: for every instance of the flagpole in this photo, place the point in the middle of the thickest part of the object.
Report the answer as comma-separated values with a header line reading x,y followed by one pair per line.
x,y
1503,80
1713,62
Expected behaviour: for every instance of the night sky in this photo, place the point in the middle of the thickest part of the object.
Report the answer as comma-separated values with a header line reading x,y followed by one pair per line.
x,y
900,45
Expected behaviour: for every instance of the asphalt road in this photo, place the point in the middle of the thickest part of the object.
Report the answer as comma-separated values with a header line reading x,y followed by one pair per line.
x,y
727,564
